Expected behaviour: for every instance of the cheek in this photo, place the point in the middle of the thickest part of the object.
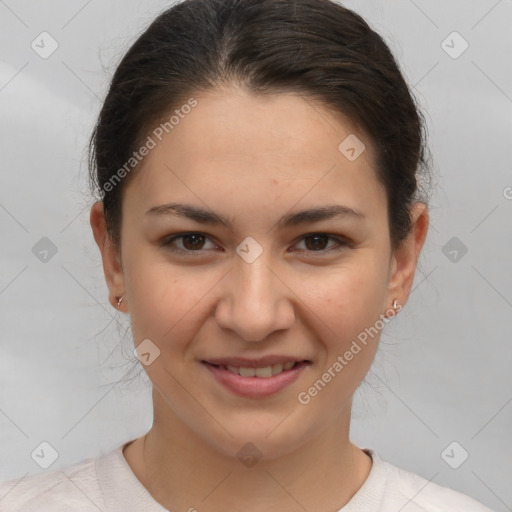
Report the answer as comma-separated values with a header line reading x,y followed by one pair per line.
x,y
167,301
349,302
350,298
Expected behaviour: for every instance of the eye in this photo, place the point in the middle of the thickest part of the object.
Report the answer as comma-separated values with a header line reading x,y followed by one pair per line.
x,y
195,241
192,242
317,242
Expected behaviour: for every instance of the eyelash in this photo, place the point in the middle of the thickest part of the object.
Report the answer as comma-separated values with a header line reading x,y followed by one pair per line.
x,y
340,241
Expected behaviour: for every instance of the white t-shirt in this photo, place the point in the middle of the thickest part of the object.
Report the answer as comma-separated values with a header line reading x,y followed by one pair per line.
x,y
106,483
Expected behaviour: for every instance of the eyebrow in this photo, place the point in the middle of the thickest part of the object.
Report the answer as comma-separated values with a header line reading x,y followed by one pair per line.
x,y
207,216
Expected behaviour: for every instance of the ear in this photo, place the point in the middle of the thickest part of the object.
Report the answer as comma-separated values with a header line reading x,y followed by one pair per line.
x,y
111,258
405,258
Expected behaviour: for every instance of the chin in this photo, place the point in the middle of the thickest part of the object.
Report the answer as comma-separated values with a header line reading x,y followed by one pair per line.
x,y
268,441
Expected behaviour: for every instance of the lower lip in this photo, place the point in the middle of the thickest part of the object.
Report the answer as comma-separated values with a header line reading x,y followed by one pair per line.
x,y
256,387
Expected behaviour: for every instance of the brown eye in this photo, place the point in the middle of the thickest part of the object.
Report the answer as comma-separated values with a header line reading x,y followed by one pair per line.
x,y
195,242
317,242
191,242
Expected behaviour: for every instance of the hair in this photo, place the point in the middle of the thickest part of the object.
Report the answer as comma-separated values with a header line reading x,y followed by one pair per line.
x,y
316,48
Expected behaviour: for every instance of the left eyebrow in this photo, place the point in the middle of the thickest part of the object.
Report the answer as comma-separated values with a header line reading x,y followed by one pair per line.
x,y
318,214
207,216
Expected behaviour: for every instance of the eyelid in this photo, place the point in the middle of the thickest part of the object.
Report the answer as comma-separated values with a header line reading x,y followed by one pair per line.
x,y
340,240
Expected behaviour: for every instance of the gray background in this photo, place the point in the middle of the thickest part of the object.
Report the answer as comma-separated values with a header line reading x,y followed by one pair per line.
x,y
67,372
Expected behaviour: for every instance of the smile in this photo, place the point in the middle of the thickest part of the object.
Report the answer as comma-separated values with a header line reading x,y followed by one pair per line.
x,y
256,382
263,372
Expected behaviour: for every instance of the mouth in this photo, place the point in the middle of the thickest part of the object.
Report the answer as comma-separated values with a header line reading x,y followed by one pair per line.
x,y
256,378
263,372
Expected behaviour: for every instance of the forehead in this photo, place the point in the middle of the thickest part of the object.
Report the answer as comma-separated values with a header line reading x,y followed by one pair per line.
x,y
277,147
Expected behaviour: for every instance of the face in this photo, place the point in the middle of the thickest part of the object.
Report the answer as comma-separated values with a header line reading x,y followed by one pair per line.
x,y
258,291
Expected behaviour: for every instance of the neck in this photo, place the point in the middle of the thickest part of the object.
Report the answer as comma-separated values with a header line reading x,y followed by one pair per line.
x,y
183,472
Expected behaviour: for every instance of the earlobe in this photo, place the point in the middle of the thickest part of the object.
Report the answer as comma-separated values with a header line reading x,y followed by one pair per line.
x,y
405,258
112,267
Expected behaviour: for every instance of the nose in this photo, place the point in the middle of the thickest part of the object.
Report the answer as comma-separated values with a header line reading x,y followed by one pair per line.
x,y
255,300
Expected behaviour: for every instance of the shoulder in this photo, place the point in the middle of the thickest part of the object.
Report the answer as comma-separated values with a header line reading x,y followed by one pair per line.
x,y
75,487
413,493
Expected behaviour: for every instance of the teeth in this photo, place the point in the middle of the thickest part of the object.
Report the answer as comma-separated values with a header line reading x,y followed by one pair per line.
x,y
265,372
247,372
277,368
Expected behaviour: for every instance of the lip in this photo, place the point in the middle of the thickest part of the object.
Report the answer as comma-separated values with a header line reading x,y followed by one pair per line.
x,y
256,387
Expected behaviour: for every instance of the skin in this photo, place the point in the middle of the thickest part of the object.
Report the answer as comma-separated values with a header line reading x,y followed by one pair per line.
x,y
254,159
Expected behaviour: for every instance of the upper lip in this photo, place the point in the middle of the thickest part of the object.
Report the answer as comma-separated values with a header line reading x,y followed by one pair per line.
x,y
243,362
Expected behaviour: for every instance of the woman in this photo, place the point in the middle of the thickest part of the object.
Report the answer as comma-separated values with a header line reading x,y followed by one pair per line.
x,y
260,221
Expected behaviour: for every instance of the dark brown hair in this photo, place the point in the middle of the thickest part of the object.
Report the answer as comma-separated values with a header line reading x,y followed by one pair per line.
x,y
317,48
